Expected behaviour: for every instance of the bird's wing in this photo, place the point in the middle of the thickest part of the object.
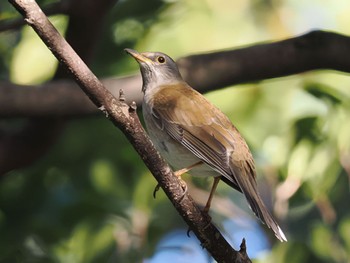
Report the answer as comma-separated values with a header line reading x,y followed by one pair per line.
x,y
201,127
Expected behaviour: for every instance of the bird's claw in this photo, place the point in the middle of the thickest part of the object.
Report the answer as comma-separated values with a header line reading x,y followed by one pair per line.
x,y
189,230
184,188
156,189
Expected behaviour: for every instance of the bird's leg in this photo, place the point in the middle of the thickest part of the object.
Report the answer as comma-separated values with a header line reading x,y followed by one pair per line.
x,y
211,195
207,206
178,173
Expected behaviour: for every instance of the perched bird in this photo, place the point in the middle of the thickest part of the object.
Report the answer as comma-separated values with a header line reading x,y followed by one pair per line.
x,y
193,135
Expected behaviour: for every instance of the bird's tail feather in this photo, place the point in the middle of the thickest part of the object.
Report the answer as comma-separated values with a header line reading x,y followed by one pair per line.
x,y
264,215
247,184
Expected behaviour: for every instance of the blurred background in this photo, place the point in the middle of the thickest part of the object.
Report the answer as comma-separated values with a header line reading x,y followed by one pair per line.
x,y
88,198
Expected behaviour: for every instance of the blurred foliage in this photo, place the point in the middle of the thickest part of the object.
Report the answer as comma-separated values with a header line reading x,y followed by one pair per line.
x,y
90,198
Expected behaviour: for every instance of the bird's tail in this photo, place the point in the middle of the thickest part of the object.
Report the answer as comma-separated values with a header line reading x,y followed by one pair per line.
x,y
247,184
264,215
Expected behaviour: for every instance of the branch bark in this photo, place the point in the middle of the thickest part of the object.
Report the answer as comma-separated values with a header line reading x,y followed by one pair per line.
x,y
205,72
126,119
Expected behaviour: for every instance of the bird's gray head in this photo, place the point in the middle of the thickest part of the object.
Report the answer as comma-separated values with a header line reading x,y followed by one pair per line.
x,y
156,69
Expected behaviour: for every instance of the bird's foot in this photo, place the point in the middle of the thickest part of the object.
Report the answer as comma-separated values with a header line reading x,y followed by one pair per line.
x,y
208,218
183,186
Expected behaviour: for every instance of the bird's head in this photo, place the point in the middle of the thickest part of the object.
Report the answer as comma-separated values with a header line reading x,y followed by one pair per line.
x,y
156,68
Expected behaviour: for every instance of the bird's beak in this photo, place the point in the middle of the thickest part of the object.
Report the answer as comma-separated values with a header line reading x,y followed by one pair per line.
x,y
136,55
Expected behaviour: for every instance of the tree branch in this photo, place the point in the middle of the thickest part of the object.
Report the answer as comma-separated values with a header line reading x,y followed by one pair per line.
x,y
126,119
312,51
60,98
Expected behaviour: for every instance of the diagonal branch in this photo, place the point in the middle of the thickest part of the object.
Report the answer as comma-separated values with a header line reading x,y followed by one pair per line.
x,y
126,119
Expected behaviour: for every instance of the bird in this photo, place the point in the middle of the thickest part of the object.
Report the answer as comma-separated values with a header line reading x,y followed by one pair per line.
x,y
195,136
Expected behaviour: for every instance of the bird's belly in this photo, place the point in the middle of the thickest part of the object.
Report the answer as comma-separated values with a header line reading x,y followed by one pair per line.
x,y
175,153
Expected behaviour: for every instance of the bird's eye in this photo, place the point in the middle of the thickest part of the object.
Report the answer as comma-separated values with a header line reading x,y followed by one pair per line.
x,y
161,59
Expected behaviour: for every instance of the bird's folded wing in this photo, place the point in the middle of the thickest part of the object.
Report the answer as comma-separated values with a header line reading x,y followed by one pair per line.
x,y
198,125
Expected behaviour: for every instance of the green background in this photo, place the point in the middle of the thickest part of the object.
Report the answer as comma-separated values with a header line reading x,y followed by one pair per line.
x,y
89,199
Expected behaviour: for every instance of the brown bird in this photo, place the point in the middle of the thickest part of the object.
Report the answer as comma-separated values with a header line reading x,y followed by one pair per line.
x,y
194,136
